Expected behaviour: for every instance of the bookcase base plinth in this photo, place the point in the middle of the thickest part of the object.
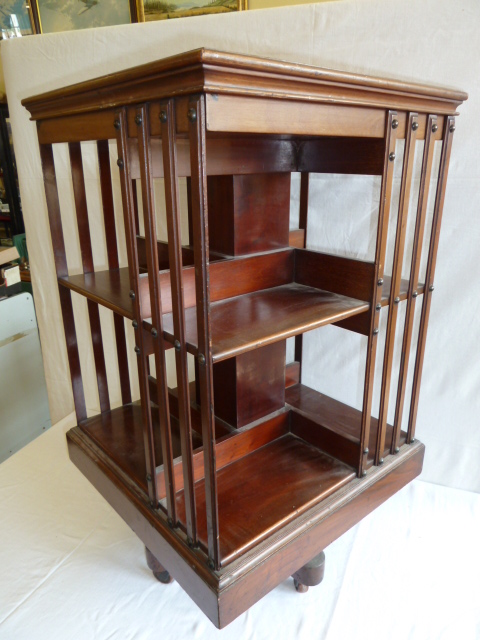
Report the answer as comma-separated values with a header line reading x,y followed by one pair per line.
x,y
225,594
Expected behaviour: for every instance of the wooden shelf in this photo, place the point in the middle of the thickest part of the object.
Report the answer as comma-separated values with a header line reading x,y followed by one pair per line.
x,y
336,417
247,322
119,433
387,283
263,491
108,288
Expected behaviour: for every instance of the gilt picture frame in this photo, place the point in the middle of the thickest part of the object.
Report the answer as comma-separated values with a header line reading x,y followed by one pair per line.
x,y
149,10
51,16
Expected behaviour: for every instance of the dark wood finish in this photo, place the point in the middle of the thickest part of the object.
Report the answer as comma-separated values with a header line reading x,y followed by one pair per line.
x,y
380,250
112,253
362,156
332,425
176,263
158,570
414,286
148,206
347,277
292,374
232,278
80,198
247,322
77,128
226,595
56,234
231,447
261,488
249,213
310,574
226,155
138,302
250,386
407,173
216,73
293,476
109,288
202,327
429,277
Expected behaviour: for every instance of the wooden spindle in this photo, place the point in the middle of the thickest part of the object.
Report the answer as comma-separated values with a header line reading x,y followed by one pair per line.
x,y
449,128
427,163
394,300
80,198
142,358
196,116
113,263
302,224
167,119
53,207
145,156
380,250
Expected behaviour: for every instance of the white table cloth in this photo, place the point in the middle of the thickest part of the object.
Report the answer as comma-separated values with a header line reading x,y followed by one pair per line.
x,y
72,569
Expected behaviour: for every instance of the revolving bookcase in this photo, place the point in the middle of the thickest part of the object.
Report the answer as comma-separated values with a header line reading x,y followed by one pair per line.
x,y
241,475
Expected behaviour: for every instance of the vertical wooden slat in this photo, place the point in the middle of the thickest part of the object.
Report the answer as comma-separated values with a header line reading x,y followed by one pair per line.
x,y
145,158
196,115
424,188
112,253
53,207
449,128
167,117
380,250
131,240
302,224
80,198
135,206
407,172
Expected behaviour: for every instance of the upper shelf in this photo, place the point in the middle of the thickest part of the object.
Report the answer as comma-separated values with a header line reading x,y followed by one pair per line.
x,y
256,319
109,288
217,73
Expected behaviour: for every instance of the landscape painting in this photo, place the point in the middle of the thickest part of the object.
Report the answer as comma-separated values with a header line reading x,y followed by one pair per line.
x,y
67,15
166,9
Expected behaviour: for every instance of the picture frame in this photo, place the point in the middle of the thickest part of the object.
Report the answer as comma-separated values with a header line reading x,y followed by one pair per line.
x,y
51,16
149,10
14,19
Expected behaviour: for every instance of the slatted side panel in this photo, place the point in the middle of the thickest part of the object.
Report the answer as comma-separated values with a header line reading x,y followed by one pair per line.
x,y
113,263
58,244
142,345
149,220
197,135
448,129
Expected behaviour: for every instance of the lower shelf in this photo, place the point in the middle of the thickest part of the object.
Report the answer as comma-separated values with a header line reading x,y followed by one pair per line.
x,y
268,474
263,491
339,418
119,433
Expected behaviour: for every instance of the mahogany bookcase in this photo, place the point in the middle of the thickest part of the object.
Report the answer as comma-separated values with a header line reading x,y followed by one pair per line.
x,y
241,477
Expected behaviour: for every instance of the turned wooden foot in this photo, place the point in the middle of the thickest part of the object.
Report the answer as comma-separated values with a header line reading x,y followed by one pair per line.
x,y
310,574
160,573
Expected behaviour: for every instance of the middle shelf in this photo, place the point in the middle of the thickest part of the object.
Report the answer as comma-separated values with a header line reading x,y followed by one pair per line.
x,y
256,319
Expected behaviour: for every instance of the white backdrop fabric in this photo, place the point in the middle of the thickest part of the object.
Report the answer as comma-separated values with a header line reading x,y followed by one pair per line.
x,y
432,41
72,569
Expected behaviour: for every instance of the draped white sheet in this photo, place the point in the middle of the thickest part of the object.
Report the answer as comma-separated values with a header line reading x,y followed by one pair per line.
x,y
432,41
71,568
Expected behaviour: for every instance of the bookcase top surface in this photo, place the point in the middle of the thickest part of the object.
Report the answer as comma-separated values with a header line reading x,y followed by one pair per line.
x,y
214,72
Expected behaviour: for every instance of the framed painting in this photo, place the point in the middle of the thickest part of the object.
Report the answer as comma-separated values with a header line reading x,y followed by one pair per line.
x,y
50,16
148,10
14,19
